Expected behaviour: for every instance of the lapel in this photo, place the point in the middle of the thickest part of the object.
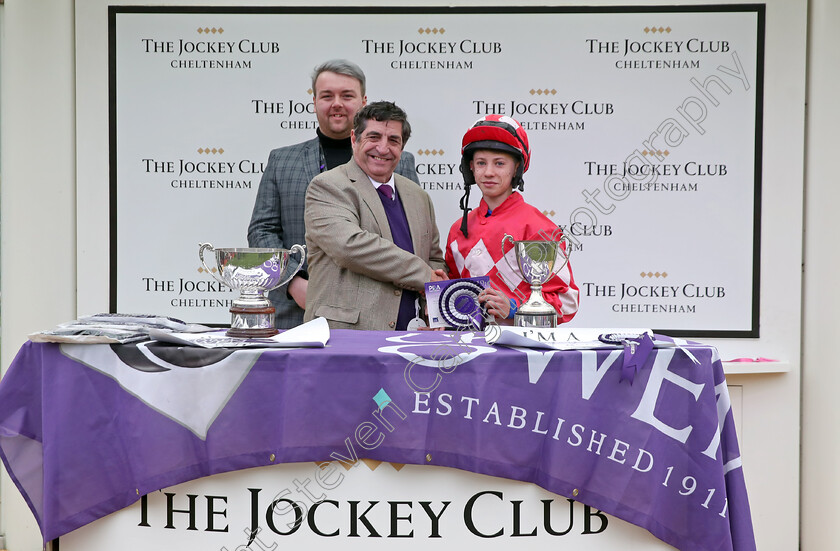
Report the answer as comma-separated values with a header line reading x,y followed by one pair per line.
x,y
369,198
312,159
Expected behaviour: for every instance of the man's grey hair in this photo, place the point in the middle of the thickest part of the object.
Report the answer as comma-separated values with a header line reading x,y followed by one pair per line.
x,y
382,111
341,67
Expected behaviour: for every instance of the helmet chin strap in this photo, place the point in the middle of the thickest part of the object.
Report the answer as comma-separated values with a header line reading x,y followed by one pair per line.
x,y
465,201
518,181
469,180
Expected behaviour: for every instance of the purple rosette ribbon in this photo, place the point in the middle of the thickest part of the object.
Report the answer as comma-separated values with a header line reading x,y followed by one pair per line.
x,y
636,352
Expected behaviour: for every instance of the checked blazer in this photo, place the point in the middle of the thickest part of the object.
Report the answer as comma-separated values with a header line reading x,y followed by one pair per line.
x,y
278,218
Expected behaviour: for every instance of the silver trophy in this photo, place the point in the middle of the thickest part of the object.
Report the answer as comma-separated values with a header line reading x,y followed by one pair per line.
x,y
254,272
537,262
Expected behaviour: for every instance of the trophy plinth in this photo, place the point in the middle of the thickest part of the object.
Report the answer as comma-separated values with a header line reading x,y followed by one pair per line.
x,y
535,312
254,272
537,262
252,322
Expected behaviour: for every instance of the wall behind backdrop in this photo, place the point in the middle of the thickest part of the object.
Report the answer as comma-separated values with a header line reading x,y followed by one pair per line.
x,y
57,133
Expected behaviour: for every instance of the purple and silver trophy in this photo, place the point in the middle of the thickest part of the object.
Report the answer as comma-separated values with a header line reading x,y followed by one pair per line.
x,y
537,262
254,272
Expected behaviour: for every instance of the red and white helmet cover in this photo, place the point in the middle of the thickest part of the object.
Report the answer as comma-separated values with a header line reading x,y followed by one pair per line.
x,y
497,132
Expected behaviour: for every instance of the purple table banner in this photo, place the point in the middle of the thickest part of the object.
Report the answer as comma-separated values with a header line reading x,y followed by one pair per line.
x,y
86,430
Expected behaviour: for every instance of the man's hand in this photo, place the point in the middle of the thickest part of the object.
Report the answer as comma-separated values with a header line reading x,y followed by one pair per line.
x,y
439,275
297,289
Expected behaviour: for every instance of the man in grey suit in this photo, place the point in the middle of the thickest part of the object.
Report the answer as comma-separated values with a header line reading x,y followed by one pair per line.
x,y
371,234
338,89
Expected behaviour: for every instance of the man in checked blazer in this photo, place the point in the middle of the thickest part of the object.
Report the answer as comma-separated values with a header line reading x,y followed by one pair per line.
x,y
371,234
338,88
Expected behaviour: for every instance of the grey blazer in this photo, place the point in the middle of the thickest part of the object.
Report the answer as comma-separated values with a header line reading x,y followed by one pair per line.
x,y
356,272
277,219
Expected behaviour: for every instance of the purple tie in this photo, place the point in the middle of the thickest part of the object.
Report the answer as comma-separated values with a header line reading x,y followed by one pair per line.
x,y
386,191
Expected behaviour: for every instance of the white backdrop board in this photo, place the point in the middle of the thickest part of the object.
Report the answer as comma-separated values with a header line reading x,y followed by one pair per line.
x,y
644,122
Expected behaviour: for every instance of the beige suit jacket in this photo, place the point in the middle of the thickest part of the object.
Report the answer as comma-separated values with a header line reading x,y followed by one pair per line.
x,y
356,272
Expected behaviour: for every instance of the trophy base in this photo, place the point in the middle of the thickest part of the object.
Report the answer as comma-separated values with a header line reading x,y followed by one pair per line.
x,y
251,333
535,320
536,312
253,323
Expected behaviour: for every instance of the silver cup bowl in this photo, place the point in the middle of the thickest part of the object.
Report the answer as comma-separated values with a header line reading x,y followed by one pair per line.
x,y
537,262
253,272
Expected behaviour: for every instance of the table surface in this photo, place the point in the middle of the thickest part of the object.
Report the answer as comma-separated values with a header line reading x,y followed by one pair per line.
x,y
85,430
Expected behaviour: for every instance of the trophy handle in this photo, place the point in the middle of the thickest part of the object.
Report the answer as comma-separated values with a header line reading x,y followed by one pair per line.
x,y
565,252
201,248
513,242
297,247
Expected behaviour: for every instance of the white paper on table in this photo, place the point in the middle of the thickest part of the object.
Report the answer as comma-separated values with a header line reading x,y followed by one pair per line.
x,y
113,329
312,334
556,338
